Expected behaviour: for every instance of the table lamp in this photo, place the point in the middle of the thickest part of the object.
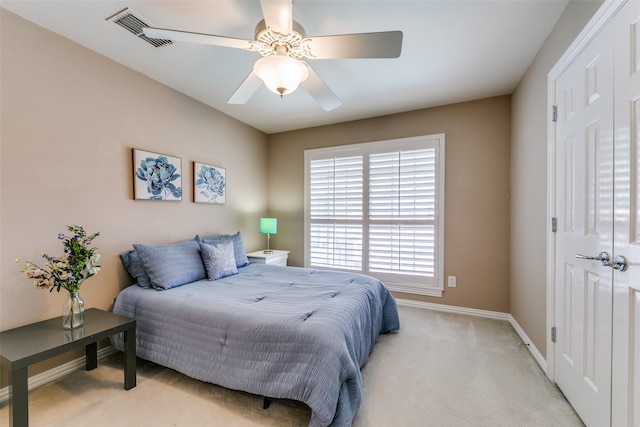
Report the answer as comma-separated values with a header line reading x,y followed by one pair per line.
x,y
268,226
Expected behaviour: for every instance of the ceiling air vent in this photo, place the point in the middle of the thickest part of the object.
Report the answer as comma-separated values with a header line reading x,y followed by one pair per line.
x,y
133,23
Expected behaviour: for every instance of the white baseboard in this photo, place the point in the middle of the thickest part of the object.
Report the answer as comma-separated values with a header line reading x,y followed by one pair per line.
x,y
454,309
537,356
58,372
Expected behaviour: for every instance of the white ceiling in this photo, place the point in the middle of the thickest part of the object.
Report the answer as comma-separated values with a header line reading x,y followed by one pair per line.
x,y
452,51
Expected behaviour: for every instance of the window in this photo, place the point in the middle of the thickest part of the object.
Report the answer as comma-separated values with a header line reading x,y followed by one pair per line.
x,y
377,208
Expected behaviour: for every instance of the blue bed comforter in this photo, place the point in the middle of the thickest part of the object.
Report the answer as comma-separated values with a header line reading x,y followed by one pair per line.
x,y
282,332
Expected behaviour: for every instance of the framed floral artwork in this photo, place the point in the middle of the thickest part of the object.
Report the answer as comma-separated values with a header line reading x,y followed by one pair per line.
x,y
156,176
209,184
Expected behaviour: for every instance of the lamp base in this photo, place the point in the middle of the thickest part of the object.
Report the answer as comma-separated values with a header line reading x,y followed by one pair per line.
x,y
267,251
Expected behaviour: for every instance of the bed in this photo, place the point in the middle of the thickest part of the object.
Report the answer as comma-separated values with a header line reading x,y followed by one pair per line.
x,y
280,332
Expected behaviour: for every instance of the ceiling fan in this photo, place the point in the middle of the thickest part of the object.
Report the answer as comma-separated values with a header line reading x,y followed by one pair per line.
x,y
282,43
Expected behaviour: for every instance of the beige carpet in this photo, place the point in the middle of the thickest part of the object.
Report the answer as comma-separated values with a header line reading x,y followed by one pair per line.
x,y
441,369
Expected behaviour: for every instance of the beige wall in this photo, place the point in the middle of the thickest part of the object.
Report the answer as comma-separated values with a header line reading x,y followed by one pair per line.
x,y
69,118
529,176
476,196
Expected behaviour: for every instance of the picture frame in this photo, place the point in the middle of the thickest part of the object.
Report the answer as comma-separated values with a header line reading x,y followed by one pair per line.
x,y
156,176
209,184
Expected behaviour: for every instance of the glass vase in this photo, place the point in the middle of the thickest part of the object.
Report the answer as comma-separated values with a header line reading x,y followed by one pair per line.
x,y
72,311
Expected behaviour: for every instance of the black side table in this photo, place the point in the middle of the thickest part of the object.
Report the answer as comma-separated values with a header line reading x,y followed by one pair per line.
x,y
29,344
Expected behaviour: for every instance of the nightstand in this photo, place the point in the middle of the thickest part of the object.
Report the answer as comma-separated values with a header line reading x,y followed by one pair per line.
x,y
274,258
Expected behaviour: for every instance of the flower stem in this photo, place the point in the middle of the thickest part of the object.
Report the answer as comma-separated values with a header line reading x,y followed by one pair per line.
x,y
71,316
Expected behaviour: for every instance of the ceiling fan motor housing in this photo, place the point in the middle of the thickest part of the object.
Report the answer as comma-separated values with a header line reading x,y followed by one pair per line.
x,y
268,42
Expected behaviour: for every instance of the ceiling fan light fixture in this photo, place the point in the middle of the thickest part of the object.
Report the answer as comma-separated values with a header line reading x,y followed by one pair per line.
x,y
280,73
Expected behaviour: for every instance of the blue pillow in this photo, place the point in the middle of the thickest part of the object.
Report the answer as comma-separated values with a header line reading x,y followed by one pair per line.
x,y
218,259
239,252
133,264
172,265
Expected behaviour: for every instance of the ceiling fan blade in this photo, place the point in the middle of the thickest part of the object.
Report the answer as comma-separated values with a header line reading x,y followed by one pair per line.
x,y
278,15
319,90
387,44
246,89
185,36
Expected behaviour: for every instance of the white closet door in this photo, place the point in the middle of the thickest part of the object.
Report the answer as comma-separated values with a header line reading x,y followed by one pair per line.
x,y
584,208
626,310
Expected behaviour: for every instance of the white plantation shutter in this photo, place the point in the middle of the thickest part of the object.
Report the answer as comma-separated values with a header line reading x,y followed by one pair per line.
x,y
402,249
336,188
402,188
336,246
335,197
376,208
402,185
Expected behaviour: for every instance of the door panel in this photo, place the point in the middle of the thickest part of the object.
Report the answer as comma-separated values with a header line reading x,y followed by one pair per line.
x,y
584,177
629,394
626,317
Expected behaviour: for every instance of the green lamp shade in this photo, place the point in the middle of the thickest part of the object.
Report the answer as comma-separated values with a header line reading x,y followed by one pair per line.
x,y
269,225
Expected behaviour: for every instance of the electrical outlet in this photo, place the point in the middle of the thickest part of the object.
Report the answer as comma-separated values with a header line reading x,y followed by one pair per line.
x,y
452,281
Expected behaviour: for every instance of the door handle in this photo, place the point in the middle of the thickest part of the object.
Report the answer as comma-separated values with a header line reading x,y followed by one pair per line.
x,y
603,257
619,263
